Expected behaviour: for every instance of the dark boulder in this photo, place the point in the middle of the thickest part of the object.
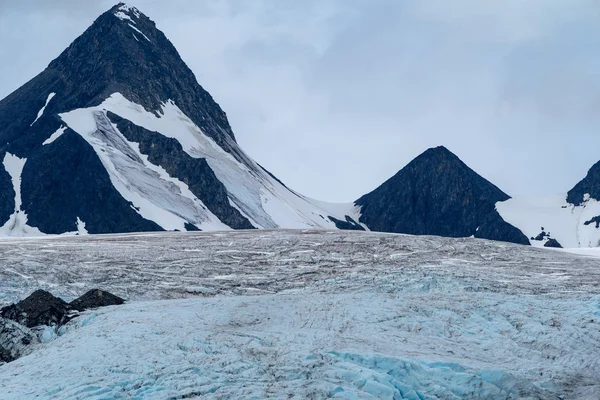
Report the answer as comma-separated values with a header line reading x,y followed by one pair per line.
x,y
40,308
541,236
15,339
553,243
96,298
5,356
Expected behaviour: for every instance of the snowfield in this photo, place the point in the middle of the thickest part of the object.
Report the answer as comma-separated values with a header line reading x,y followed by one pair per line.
x,y
308,314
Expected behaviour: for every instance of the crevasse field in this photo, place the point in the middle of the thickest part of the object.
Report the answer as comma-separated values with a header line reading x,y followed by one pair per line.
x,y
308,315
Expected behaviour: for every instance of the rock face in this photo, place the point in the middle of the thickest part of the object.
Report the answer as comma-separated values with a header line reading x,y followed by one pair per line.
x,y
40,308
96,298
123,52
588,185
118,135
15,340
195,172
437,194
553,243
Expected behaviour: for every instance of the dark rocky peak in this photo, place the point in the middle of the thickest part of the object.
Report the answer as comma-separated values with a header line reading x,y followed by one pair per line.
x,y
438,194
590,185
122,51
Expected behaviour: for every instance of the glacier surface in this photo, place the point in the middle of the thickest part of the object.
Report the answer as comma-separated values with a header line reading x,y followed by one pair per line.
x,y
308,314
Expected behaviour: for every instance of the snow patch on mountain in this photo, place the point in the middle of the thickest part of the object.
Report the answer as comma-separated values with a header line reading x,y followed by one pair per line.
x,y
154,194
41,112
266,202
140,32
55,135
124,11
17,223
81,227
567,223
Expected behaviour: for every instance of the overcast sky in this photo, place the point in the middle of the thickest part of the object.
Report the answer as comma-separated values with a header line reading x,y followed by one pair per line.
x,y
335,96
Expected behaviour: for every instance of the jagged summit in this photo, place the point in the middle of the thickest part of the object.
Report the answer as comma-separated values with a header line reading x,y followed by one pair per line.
x,y
116,135
590,185
437,194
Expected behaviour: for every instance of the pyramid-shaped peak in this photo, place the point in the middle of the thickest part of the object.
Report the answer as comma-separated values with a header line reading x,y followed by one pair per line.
x,y
124,52
439,152
437,194
126,9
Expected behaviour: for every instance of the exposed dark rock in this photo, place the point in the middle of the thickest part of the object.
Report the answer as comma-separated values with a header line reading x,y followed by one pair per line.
x,y
96,298
349,224
194,172
66,181
595,220
190,227
40,308
437,194
7,195
553,243
14,340
541,236
588,185
5,356
495,228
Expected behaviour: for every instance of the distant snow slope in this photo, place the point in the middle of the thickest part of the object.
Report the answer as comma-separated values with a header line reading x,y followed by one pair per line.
x,y
260,197
309,314
565,222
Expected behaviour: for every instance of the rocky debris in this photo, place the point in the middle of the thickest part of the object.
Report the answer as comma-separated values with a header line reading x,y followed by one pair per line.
x,y
553,243
349,224
40,308
543,235
96,298
25,323
15,340
595,221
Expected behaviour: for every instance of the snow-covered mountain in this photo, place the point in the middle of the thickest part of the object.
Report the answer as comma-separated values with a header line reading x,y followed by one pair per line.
x,y
116,135
572,219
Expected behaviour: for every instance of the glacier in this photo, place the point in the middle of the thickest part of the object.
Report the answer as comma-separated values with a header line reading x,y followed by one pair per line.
x,y
308,314
262,199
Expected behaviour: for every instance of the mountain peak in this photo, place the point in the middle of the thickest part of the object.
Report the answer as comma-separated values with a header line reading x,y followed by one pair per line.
x,y
437,153
437,194
124,52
